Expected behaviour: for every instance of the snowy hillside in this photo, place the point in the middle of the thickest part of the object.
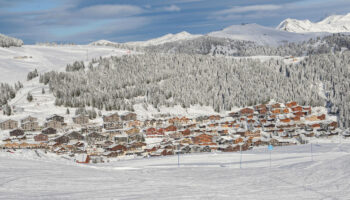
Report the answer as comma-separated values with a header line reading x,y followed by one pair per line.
x,y
260,34
152,42
296,173
331,24
164,39
16,62
6,41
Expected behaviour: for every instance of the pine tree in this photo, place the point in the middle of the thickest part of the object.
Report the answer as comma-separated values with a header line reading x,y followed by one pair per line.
x,y
29,97
7,110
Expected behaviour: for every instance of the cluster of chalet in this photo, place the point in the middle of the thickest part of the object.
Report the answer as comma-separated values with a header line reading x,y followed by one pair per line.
x,y
276,124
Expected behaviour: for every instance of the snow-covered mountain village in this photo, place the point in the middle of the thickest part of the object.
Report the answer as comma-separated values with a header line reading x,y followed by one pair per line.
x,y
178,99
124,135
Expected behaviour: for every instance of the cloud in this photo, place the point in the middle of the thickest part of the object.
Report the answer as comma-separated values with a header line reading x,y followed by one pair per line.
x,y
246,12
252,8
187,1
72,22
172,8
109,11
235,17
113,30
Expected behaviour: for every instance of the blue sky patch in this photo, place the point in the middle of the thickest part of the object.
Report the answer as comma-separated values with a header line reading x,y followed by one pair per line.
x,y
83,21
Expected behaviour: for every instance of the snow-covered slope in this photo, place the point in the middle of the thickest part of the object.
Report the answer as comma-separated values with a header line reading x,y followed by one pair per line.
x,y
295,173
164,39
156,41
260,34
16,62
331,24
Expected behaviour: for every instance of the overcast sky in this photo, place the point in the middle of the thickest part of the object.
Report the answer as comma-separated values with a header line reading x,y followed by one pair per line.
x,y
84,21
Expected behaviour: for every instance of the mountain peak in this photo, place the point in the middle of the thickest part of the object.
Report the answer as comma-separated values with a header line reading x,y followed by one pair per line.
x,y
331,24
260,34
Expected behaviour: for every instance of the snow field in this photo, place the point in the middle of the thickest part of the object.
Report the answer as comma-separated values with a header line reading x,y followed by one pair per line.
x,y
16,62
293,175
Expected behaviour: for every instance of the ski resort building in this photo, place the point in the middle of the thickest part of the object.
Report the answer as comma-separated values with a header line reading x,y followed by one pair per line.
x,y
111,118
41,138
55,121
30,126
55,117
81,119
8,124
129,117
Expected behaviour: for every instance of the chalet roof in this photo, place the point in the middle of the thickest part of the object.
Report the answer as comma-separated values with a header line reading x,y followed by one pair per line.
x,y
17,129
50,120
29,117
75,142
28,123
107,153
80,115
121,135
159,151
114,145
241,130
21,136
8,120
74,134
228,138
128,113
111,114
48,128
94,135
59,148
54,115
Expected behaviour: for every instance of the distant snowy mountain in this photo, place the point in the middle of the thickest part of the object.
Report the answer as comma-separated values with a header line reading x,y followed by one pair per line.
x,y
6,41
165,39
102,43
260,34
152,42
331,24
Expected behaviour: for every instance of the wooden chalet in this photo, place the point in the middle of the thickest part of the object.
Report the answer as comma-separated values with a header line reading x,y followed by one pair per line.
x,y
29,119
75,136
95,137
117,147
55,117
49,131
62,139
54,124
81,119
129,117
16,133
8,124
30,126
113,125
246,111
114,117
41,138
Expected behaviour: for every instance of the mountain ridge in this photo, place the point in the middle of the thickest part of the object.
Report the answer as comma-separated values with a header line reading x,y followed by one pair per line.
x,y
330,24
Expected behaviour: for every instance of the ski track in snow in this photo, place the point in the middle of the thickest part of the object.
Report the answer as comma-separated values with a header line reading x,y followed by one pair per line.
x,y
293,175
